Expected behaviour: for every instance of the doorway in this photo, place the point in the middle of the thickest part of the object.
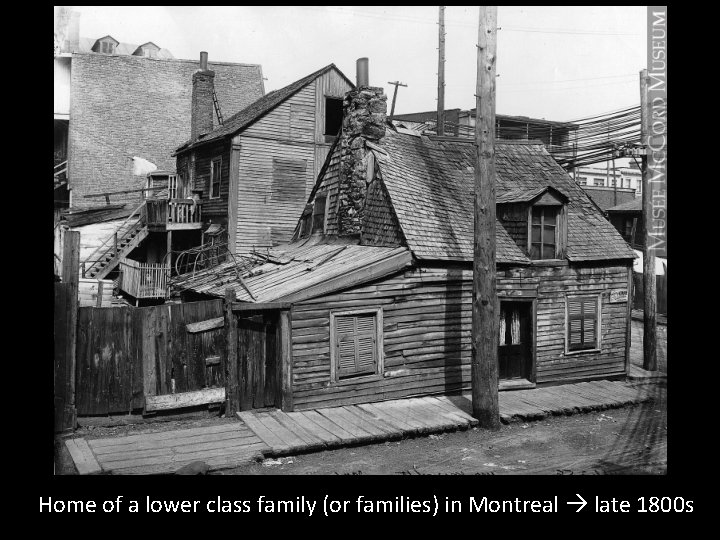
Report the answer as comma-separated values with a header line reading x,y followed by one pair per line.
x,y
515,351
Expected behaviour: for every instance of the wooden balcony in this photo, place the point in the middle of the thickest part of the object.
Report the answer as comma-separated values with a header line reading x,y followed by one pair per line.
x,y
144,280
173,214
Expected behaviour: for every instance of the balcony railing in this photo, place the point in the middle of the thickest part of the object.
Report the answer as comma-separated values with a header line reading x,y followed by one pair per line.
x,y
144,280
173,212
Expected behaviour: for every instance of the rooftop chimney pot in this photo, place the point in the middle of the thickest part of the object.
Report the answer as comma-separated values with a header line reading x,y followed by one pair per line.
x,y
362,75
203,60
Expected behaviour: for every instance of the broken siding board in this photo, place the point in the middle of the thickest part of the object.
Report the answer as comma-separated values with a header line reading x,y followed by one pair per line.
x,y
203,326
184,399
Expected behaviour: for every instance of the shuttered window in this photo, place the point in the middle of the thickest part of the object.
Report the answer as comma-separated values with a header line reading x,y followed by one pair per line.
x,y
356,350
582,324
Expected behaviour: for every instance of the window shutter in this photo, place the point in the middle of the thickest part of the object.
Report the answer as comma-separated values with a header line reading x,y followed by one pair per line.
x,y
356,345
582,323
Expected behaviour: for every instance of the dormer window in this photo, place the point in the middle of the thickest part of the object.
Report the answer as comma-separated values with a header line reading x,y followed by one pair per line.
x,y
106,45
536,219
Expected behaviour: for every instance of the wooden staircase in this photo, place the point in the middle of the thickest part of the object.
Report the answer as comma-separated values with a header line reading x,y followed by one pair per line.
x,y
117,246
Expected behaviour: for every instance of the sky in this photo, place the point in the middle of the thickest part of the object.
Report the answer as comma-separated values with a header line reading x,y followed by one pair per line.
x,y
558,63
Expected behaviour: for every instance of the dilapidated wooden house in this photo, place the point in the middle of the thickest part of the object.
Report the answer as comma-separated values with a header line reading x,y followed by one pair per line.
x,y
253,172
375,287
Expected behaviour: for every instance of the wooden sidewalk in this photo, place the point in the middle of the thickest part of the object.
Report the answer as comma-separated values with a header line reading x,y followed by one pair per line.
x,y
274,433
220,446
305,431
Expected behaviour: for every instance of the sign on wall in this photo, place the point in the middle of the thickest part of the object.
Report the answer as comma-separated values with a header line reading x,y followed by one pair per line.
x,y
618,295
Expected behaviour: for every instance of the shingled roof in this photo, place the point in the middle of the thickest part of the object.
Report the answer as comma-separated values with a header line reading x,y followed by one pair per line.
x,y
258,109
431,185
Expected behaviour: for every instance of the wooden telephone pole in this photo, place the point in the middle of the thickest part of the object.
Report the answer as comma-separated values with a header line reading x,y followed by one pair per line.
x,y
484,363
649,291
392,109
441,76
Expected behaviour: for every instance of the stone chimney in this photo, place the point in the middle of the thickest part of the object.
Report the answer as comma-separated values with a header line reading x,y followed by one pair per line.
x,y
364,121
201,115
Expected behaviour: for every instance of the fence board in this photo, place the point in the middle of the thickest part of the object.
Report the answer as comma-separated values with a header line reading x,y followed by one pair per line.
x,y
126,353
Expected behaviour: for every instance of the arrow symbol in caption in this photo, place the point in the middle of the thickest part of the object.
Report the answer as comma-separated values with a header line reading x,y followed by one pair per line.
x,y
582,502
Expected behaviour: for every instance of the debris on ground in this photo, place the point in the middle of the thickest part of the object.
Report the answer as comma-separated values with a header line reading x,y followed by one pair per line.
x,y
437,437
280,461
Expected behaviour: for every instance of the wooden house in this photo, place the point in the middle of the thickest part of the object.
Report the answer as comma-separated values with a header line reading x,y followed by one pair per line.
x,y
253,173
372,297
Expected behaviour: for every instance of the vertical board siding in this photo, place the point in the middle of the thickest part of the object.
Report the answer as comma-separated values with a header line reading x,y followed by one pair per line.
x,y
113,344
427,323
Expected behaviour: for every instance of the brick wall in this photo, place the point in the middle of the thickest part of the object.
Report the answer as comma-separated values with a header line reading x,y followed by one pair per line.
x,y
124,106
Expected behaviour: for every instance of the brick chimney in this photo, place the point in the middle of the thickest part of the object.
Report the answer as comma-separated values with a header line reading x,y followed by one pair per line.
x,y
201,115
364,121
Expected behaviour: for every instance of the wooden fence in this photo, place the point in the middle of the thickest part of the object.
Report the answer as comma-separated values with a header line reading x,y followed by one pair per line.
x,y
127,356
661,291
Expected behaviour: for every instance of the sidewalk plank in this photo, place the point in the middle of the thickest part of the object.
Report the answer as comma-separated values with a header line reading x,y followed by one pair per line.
x,y
399,425
451,415
318,431
330,426
388,430
339,417
83,457
267,435
310,441
168,443
443,401
160,435
389,409
291,440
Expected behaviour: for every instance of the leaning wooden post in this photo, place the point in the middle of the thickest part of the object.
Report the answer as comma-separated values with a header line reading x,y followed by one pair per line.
x,y
649,292
71,276
232,382
484,366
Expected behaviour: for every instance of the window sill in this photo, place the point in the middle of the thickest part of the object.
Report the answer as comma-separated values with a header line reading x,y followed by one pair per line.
x,y
583,351
549,262
358,379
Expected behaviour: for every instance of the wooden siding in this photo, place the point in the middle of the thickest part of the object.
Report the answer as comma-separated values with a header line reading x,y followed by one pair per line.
x,y
331,84
379,225
427,325
267,210
203,156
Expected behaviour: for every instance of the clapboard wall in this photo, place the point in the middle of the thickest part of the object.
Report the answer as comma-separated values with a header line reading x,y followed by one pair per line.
x,y
280,157
427,319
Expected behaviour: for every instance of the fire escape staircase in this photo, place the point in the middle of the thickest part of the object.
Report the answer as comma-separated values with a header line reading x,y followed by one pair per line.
x,y
118,245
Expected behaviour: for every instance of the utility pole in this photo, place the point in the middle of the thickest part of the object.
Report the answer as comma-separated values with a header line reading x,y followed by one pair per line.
x,y
441,76
649,307
392,109
484,360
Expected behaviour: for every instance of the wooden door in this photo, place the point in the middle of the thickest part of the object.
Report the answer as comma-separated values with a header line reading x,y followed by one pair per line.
x,y
515,347
258,360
